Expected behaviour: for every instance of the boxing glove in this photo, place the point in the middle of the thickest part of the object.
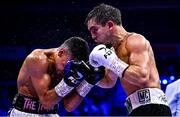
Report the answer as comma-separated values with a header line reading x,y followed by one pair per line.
x,y
96,74
74,73
103,56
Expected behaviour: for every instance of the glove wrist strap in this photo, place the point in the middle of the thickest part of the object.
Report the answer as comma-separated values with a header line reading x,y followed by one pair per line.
x,y
118,67
84,88
62,89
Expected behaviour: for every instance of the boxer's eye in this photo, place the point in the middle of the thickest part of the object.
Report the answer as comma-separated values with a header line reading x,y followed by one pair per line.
x,y
94,30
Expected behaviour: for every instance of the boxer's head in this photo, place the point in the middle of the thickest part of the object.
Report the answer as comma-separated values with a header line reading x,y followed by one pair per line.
x,y
102,22
74,48
103,13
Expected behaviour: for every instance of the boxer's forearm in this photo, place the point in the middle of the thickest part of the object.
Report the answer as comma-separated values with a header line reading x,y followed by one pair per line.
x,y
50,98
72,101
109,80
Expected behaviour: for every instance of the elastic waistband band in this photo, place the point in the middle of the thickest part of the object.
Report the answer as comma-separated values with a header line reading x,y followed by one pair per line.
x,y
145,96
31,105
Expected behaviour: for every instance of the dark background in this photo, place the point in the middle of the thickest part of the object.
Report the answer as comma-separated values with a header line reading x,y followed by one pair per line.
x,y
26,25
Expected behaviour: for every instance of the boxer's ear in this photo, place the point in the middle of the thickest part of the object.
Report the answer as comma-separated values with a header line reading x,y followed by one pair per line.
x,y
62,52
110,24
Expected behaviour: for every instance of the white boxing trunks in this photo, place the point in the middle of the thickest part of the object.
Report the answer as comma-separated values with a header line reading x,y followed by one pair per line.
x,y
145,96
16,113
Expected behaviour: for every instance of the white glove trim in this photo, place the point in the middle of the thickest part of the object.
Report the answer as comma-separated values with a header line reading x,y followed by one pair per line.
x,y
84,88
62,89
118,66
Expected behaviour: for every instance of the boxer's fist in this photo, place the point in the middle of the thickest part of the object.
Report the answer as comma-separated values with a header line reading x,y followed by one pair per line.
x,y
102,56
75,72
96,74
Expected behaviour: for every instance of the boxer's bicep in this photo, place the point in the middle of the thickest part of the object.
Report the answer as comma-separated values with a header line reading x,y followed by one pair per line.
x,y
37,68
41,83
138,71
138,48
139,59
39,77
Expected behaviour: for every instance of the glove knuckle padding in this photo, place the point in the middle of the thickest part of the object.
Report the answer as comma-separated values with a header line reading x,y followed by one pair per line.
x,y
100,55
94,57
96,74
75,72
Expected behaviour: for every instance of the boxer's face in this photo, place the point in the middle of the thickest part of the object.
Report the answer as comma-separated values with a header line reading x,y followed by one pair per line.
x,y
100,34
63,58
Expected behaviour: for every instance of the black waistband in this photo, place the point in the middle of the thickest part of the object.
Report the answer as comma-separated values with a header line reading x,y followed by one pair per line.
x,y
31,105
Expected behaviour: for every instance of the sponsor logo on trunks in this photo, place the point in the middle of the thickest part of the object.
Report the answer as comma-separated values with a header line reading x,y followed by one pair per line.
x,y
163,98
144,96
31,105
128,105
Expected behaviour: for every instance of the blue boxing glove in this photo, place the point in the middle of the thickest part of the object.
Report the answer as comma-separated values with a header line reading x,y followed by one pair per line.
x,y
74,73
94,76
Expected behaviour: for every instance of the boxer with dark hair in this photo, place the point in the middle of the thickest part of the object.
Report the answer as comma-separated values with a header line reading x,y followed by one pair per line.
x,y
48,75
130,59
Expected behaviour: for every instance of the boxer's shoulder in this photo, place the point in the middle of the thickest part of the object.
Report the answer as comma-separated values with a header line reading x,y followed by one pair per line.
x,y
37,56
37,60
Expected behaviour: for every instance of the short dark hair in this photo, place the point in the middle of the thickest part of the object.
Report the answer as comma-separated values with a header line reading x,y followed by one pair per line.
x,y
77,47
103,13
